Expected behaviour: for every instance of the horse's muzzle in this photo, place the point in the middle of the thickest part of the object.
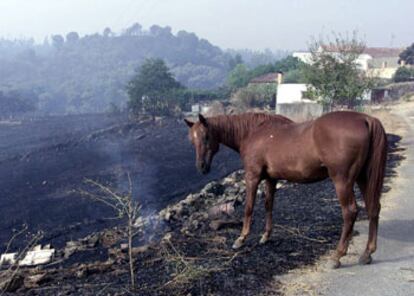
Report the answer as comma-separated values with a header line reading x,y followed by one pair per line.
x,y
203,168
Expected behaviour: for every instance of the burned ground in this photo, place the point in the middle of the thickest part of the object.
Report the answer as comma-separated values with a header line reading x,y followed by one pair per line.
x,y
182,252
44,162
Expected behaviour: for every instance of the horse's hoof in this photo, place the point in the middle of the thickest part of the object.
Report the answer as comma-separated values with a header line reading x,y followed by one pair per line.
x,y
238,243
333,264
365,259
263,239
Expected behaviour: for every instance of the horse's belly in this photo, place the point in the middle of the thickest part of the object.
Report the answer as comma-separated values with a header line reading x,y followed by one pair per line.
x,y
299,174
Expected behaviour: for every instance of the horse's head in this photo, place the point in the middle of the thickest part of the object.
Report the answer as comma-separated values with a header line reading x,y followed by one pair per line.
x,y
205,142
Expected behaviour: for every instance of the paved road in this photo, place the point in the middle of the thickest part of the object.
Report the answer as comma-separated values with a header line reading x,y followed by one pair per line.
x,y
392,271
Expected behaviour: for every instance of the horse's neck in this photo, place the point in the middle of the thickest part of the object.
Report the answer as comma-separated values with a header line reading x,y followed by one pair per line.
x,y
229,131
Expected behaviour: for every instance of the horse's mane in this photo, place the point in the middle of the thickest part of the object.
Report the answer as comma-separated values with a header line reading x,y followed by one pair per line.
x,y
233,128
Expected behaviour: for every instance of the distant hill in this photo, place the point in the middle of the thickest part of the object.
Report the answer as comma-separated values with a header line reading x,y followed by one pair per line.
x,y
73,74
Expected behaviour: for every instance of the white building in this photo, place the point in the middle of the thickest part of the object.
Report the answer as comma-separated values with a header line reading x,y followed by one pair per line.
x,y
291,102
362,61
291,93
378,62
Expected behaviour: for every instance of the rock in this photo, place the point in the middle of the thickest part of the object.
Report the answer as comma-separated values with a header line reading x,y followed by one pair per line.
x,y
168,216
195,223
92,241
221,209
70,248
219,239
220,224
81,273
167,237
73,244
184,230
190,199
140,222
214,188
229,181
119,272
240,198
178,209
109,238
203,216
68,252
33,281
116,254
139,250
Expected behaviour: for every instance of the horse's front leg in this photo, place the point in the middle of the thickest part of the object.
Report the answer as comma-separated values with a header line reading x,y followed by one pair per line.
x,y
270,188
252,181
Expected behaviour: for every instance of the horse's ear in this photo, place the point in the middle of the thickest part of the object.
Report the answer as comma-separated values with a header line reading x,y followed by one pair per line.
x,y
203,120
189,123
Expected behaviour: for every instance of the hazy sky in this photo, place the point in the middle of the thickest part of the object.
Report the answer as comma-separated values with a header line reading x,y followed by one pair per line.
x,y
255,24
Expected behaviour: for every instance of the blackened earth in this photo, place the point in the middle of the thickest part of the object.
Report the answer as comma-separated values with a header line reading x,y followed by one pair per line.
x,y
44,162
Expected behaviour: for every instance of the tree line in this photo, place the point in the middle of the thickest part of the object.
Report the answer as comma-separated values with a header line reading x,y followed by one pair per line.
x,y
109,71
81,74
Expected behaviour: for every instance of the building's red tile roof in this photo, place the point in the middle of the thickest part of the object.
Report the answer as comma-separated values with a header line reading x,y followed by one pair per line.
x,y
266,78
383,52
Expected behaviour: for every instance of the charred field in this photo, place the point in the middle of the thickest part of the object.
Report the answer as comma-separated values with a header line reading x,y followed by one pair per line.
x,y
45,161
184,246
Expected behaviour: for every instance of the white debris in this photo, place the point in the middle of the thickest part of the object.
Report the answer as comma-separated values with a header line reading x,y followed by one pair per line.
x,y
37,248
37,257
8,258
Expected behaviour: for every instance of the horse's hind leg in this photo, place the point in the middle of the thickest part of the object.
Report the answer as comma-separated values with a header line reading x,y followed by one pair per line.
x,y
373,227
346,196
252,182
270,187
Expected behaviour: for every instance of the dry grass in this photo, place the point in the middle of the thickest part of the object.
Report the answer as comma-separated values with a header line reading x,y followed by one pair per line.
x,y
387,114
186,268
125,206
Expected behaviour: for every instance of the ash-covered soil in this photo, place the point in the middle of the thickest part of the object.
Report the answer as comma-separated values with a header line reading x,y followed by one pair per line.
x,y
44,162
186,248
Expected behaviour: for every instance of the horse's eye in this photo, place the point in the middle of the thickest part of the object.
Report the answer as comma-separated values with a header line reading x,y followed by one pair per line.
x,y
206,139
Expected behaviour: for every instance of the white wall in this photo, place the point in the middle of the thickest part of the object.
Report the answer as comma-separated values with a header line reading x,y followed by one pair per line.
x,y
361,61
290,93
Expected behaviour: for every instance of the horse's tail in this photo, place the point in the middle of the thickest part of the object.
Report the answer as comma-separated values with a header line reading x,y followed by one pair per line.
x,y
375,166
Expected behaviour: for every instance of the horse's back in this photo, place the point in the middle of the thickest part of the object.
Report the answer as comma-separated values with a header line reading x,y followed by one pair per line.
x,y
342,139
304,152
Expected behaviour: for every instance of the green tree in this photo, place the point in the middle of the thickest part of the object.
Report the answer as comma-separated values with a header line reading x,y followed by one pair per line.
x,y
13,103
72,37
58,41
234,61
238,77
333,73
404,74
151,89
408,55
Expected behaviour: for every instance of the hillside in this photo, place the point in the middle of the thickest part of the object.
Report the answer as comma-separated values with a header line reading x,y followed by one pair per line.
x,y
73,74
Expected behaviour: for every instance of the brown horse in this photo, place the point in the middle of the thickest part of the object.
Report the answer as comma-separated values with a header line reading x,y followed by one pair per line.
x,y
346,146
